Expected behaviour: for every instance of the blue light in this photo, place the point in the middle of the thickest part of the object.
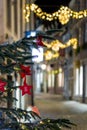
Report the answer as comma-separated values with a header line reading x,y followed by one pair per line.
x,y
30,34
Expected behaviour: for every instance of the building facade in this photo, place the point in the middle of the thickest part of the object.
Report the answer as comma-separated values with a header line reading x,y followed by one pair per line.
x,y
76,83
11,19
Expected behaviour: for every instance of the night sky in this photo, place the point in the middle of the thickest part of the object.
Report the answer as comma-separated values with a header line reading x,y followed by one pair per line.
x,y
50,6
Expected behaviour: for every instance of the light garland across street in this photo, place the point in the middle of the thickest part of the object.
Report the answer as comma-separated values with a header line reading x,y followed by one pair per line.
x,y
63,14
56,45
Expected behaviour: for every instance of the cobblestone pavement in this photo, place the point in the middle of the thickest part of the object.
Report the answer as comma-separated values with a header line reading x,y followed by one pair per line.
x,y
54,106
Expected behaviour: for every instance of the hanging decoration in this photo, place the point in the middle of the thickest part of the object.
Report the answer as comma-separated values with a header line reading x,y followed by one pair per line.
x,y
39,41
34,109
64,14
27,12
56,44
50,55
57,48
26,89
25,70
2,85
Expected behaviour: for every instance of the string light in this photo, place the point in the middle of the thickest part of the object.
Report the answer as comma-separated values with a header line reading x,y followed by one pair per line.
x,y
56,45
48,55
63,14
56,71
27,12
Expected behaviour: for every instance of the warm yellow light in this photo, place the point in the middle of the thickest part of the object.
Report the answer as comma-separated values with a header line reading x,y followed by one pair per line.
x,y
56,55
48,55
46,44
56,43
27,12
60,70
63,14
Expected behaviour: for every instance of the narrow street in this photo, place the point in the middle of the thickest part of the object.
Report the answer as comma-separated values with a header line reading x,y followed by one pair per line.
x,y
54,106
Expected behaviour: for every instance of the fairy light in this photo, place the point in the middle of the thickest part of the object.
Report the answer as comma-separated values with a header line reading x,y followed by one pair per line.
x,y
55,55
63,14
48,55
27,12
56,45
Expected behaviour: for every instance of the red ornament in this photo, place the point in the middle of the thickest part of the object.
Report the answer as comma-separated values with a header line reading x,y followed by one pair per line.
x,y
26,89
2,85
35,109
39,41
25,70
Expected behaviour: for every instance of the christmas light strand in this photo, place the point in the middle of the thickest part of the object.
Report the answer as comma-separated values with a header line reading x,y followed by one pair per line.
x,y
63,14
56,45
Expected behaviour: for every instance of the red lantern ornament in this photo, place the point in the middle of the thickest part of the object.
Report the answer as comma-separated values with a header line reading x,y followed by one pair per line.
x,y
26,89
25,70
2,85
39,41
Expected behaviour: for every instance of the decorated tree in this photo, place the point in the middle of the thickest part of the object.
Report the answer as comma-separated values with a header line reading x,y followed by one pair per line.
x,y
16,58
